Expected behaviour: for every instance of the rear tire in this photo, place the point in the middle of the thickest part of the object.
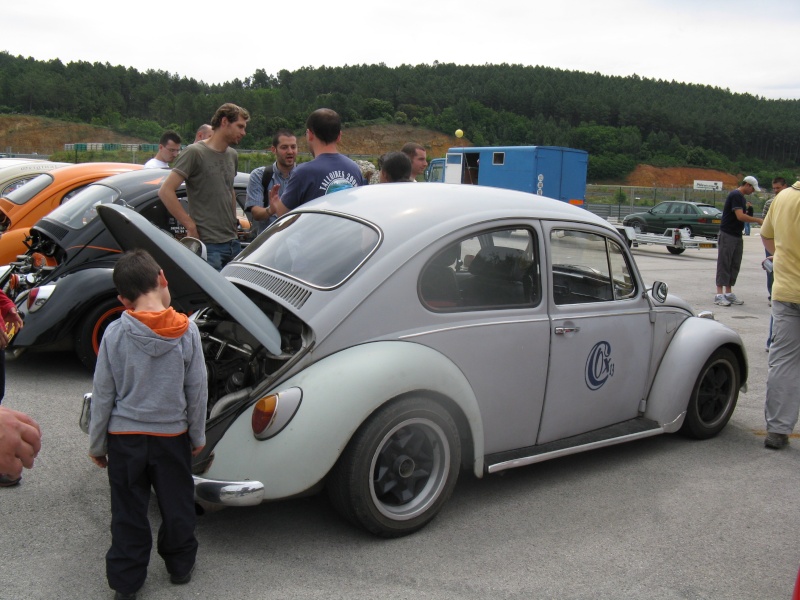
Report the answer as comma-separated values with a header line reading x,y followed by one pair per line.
x,y
399,469
674,250
714,396
90,331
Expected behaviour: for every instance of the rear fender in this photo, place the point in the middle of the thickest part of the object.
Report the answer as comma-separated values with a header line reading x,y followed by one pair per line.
x,y
75,293
338,394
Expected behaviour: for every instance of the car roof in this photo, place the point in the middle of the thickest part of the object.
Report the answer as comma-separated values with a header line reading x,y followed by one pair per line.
x,y
70,171
27,168
406,209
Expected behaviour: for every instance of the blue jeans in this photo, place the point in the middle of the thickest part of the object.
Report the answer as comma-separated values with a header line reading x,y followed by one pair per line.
x,y
219,255
747,228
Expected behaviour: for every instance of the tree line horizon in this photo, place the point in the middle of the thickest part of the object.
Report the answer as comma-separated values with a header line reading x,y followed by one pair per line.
x,y
619,121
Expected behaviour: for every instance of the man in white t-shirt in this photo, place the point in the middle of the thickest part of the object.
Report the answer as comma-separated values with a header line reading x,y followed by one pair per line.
x,y
168,147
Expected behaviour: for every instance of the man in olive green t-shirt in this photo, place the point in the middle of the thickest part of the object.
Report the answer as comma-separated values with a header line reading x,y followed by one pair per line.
x,y
209,169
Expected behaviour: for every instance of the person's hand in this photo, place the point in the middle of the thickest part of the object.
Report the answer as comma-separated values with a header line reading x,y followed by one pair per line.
x,y
274,199
14,319
198,450
100,461
20,441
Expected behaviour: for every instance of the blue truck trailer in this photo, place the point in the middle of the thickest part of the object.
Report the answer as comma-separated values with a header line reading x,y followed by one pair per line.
x,y
552,171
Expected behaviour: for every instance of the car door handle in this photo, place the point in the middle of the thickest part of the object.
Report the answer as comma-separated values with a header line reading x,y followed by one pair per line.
x,y
563,330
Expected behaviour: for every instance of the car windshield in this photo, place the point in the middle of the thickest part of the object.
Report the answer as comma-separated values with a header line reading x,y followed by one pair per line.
x,y
24,193
82,208
319,249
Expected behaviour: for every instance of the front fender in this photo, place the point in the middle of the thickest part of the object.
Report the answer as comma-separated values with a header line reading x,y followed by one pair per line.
x,y
339,393
691,346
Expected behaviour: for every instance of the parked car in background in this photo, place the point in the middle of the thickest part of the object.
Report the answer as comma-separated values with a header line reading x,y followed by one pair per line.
x,y
700,219
16,172
23,207
378,340
62,285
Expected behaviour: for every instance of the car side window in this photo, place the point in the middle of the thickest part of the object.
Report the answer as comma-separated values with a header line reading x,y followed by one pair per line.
x,y
588,267
661,209
70,194
493,270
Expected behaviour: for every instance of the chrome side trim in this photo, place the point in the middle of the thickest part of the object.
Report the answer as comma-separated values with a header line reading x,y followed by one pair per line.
x,y
529,460
229,493
458,326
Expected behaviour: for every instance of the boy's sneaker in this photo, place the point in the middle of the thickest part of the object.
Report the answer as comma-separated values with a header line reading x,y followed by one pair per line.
x,y
732,299
183,578
121,596
721,300
8,480
776,441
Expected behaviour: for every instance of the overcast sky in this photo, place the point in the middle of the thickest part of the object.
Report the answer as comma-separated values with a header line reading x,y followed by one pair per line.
x,y
746,47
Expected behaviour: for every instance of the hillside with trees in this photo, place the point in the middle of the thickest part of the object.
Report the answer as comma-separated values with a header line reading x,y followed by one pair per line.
x,y
620,121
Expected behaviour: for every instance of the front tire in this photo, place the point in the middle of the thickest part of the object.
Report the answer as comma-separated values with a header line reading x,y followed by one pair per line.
x,y
399,469
91,329
714,396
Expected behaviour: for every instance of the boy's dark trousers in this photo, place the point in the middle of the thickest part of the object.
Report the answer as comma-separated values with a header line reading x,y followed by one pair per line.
x,y
135,462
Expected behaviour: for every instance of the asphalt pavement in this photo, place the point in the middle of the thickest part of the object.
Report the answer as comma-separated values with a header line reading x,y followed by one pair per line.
x,y
664,517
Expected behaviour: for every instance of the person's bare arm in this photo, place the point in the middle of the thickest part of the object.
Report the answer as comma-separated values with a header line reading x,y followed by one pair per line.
x,y
744,217
173,205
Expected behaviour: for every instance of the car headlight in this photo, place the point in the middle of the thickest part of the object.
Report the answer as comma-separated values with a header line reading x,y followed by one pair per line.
x,y
38,296
273,412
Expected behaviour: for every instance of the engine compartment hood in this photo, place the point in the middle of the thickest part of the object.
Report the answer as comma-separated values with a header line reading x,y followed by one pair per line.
x,y
193,283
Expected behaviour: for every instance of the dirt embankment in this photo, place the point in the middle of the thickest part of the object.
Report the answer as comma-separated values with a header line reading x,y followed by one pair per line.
x,y
647,176
27,134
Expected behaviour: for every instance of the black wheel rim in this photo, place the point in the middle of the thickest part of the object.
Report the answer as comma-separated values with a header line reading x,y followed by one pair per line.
x,y
409,469
716,393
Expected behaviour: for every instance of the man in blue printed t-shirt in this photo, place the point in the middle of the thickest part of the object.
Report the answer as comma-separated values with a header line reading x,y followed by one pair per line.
x,y
329,171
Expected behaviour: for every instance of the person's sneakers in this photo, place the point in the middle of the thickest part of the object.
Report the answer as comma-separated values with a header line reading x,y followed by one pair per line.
x,y
776,441
121,596
8,480
732,299
183,578
721,300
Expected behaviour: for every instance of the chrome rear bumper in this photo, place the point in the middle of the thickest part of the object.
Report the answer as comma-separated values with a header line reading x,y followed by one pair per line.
x,y
229,493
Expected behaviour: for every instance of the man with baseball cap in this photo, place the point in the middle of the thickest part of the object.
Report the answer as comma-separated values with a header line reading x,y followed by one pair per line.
x,y
730,245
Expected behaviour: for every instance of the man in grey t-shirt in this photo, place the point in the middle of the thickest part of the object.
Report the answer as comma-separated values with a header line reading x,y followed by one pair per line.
x,y
209,169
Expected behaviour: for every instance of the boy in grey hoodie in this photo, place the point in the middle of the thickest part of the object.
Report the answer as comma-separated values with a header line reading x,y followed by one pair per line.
x,y
148,420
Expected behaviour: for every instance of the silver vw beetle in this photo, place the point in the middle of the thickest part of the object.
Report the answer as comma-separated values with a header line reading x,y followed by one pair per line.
x,y
380,341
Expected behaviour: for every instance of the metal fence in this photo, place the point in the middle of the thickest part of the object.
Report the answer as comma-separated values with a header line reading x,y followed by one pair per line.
x,y
650,196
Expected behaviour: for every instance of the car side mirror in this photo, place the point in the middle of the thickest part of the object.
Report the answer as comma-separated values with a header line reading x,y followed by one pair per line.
x,y
195,245
660,291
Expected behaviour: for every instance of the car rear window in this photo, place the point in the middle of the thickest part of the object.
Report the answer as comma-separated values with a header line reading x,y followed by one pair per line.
x,y
319,249
24,193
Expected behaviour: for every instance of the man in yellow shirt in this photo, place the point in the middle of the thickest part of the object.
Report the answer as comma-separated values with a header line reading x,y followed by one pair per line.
x,y
779,235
